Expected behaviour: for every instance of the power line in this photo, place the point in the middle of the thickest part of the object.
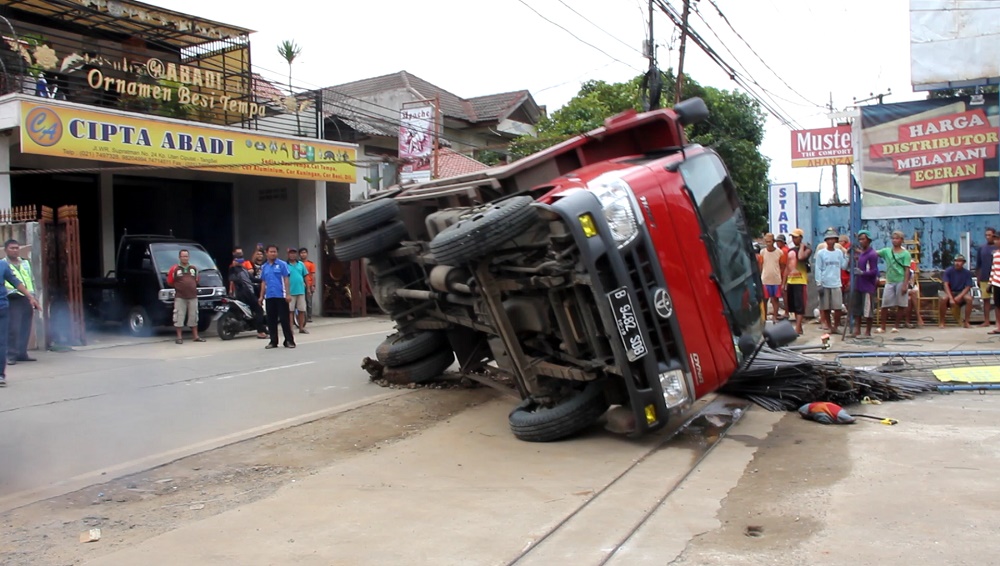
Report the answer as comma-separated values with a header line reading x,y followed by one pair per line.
x,y
774,110
761,59
578,38
604,31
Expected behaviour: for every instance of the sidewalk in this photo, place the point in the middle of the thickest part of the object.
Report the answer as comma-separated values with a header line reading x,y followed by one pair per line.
x,y
110,336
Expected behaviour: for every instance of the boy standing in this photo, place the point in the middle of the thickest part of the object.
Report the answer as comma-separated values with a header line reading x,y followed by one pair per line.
x,y
897,280
865,284
772,272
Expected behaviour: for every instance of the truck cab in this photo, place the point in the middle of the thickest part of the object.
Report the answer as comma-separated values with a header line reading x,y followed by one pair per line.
x,y
136,292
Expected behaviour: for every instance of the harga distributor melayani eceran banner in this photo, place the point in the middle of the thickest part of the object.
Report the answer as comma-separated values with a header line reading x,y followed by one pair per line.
x,y
935,157
64,130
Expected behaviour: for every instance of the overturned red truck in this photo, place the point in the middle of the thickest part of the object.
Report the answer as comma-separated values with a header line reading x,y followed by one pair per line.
x,y
613,269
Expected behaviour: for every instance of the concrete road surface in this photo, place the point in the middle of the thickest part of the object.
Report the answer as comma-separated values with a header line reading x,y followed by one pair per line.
x,y
78,418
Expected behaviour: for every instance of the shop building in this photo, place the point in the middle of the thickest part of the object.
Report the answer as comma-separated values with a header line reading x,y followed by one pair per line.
x,y
153,121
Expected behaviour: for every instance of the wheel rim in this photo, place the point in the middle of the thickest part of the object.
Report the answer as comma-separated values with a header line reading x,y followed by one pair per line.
x,y
137,322
231,325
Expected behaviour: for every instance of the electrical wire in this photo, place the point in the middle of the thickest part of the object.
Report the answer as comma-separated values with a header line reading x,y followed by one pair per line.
x,y
752,50
734,75
578,38
602,30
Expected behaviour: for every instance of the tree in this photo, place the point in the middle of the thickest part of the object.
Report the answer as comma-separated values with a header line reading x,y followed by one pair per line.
x,y
734,129
289,50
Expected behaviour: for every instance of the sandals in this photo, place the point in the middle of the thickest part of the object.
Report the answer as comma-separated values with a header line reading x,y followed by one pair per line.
x,y
178,341
994,332
198,339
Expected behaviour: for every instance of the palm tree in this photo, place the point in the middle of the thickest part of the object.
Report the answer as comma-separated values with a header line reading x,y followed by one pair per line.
x,y
289,50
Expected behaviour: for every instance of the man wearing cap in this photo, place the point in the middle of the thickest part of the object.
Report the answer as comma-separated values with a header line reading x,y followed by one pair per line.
x,y
781,243
795,289
957,290
829,262
897,280
865,284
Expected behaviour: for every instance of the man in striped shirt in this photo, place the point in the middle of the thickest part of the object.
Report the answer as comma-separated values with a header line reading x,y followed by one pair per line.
x,y
995,283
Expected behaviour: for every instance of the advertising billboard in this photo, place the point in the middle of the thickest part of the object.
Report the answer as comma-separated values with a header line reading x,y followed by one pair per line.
x,y
953,43
822,147
71,131
935,157
416,142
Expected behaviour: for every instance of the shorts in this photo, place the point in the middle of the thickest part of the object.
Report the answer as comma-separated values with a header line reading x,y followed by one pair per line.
x,y
996,296
830,298
795,300
984,290
863,305
962,302
895,295
298,303
772,291
185,310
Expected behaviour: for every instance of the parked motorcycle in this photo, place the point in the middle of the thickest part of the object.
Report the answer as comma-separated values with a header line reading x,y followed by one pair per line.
x,y
237,318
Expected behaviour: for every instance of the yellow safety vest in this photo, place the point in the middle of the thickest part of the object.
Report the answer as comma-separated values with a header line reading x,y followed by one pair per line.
x,y
23,272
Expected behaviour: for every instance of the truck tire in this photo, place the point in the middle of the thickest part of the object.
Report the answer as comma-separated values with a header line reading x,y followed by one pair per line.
x,y
370,243
484,231
138,322
362,219
401,349
532,423
228,326
204,322
421,370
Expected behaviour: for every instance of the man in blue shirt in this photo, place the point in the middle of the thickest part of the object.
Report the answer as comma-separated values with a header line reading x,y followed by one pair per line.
x,y
827,262
9,277
275,294
957,290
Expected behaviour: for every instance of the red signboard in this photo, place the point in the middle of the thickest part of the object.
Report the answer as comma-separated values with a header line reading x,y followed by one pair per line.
x,y
821,147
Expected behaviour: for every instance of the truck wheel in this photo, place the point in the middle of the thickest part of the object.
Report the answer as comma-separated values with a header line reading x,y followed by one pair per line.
x,y
362,219
138,322
401,349
533,423
228,326
370,243
484,231
204,322
421,370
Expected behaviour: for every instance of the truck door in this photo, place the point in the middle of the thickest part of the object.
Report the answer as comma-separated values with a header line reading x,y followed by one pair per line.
x,y
140,280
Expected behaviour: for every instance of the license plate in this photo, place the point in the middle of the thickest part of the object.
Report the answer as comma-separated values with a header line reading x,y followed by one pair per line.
x,y
628,324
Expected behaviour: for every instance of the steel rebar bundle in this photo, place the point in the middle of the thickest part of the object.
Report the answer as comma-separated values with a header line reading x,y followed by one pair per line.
x,y
784,380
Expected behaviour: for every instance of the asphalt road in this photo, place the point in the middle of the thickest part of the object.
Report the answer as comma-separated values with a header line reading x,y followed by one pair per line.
x,y
78,418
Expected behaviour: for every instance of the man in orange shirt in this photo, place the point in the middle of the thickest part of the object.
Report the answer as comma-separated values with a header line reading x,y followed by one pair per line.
x,y
310,281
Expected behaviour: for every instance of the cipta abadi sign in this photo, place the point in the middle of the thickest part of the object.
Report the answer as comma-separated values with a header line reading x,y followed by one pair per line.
x,y
782,205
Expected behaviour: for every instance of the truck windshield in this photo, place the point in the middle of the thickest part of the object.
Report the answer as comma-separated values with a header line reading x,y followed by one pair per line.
x,y
165,255
726,237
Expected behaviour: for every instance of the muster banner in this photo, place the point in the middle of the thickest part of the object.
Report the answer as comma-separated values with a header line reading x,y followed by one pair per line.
x,y
935,157
70,131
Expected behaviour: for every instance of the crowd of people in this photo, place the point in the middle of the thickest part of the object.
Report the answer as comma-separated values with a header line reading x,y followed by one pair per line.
x,y
277,290
786,271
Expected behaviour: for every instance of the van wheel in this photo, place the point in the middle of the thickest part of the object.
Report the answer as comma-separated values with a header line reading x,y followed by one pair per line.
x,y
362,219
485,230
370,243
138,322
401,349
531,422
420,371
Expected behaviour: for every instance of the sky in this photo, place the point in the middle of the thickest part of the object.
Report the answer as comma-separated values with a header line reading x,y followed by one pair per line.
x,y
800,51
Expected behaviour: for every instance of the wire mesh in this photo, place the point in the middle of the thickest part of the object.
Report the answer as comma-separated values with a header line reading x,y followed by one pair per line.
x,y
920,364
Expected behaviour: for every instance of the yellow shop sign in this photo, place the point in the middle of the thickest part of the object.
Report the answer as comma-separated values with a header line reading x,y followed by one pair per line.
x,y
68,131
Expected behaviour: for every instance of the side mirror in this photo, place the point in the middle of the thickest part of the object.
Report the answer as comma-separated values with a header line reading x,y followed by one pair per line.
x,y
691,111
780,334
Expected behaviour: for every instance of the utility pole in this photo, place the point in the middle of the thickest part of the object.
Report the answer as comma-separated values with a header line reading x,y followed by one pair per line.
x,y
836,188
680,63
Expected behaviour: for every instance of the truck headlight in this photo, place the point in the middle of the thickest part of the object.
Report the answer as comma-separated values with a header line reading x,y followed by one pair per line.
x,y
675,391
219,292
616,202
166,294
